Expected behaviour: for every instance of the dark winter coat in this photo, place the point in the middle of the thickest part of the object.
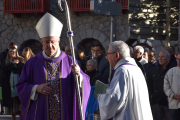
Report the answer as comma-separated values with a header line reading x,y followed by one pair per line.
x,y
155,82
103,68
6,89
93,77
2,61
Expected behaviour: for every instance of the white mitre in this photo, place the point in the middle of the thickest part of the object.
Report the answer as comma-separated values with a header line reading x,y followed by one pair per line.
x,y
48,26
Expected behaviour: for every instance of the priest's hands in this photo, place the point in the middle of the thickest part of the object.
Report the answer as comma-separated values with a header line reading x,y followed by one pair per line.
x,y
98,98
75,70
44,89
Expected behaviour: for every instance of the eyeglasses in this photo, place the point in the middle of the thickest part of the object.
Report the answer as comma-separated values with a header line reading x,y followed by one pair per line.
x,y
110,53
97,50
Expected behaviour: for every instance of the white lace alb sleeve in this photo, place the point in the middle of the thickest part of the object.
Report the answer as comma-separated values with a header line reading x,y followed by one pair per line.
x,y
34,94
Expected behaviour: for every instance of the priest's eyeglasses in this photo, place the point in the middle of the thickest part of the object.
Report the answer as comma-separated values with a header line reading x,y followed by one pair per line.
x,y
110,53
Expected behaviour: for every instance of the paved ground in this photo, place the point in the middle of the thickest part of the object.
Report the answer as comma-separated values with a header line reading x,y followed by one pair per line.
x,y
7,117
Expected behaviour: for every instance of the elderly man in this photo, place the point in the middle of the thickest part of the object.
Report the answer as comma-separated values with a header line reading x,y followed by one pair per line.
x,y
47,87
151,61
127,96
138,63
155,82
138,55
172,61
68,52
102,64
172,90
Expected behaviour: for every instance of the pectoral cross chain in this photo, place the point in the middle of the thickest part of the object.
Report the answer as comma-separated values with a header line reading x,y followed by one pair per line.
x,y
51,81
53,73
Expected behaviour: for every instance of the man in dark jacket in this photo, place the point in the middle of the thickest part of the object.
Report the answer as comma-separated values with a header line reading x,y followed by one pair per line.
x,y
172,61
102,64
151,61
137,62
138,55
155,82
92,53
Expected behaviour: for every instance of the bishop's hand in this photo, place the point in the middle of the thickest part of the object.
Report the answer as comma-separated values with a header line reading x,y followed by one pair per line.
x,y
75,70
44,89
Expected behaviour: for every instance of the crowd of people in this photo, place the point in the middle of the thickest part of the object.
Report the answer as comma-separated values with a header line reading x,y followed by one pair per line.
x,y
162,84
11,64
138,76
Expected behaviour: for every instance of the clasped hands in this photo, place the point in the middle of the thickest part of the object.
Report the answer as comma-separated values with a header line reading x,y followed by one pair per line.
x,y
16,61
176,97
46,90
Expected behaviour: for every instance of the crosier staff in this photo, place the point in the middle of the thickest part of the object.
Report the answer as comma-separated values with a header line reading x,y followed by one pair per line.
x,y
70,35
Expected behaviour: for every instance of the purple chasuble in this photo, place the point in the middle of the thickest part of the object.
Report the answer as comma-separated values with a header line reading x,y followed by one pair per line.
x,y
34,73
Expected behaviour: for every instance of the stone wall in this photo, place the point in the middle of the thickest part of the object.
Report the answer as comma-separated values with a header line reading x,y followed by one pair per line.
x,y
16,29
85,25
90,25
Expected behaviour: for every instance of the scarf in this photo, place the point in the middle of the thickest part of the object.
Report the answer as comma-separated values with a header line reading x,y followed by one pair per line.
x,y
14,78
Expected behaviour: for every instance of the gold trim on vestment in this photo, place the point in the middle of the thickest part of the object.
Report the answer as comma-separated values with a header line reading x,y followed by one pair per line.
x,y
75,103
29,103
46,95
61,94
36,109
53,101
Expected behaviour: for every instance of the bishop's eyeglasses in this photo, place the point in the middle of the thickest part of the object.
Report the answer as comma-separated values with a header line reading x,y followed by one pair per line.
x,y
110,53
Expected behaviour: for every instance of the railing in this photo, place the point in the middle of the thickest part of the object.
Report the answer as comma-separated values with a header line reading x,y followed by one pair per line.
x,y
84,5
124,4
79,5
26,6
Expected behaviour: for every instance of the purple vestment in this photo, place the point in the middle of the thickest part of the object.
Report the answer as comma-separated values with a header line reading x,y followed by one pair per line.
x,y
34,73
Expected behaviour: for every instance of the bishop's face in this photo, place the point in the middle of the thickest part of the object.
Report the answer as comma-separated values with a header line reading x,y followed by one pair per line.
x,y
50,45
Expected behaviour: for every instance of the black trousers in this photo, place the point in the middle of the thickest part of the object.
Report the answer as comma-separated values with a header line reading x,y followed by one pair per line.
x,y
175,114
161,112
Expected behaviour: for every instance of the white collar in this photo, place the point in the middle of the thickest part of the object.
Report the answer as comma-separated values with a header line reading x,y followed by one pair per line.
x,y
125,60
58,53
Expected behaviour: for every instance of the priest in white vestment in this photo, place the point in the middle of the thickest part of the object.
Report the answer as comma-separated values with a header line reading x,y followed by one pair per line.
x,y
127,96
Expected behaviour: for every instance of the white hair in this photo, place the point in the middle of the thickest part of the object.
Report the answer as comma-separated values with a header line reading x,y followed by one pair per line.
x,y
166,52
139,48
93,61
121,47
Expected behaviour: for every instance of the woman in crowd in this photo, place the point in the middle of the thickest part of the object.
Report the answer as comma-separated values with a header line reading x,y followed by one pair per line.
x,y
11,71
91,71
27,53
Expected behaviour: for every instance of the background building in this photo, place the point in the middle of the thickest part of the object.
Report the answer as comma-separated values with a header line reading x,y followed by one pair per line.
x,y
18,19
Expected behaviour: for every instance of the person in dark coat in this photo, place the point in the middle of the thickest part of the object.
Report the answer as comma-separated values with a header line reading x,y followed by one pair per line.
x,y
68,52
82,58
92,53
155,82
172,61
138,54
137,62
11,70
102,64
151,61
3,55
91,71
